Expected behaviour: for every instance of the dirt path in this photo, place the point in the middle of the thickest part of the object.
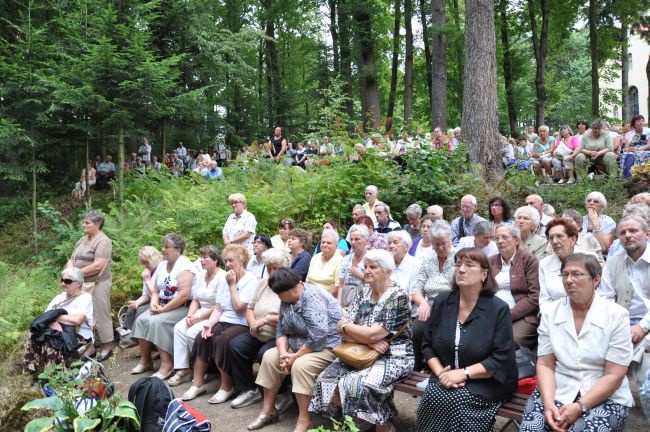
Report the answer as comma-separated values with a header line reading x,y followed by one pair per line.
x,y
226,419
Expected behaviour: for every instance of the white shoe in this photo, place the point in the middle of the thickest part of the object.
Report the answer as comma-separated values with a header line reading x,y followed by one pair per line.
x,y
561,181
571,181
283,402
248,397
221,396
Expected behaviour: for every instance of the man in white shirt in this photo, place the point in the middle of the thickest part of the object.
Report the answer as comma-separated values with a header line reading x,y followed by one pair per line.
x,y
626,280
181,151
537,202
464,224
145,151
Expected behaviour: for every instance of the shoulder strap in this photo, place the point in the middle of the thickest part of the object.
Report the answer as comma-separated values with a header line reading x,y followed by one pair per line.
x,y
400,331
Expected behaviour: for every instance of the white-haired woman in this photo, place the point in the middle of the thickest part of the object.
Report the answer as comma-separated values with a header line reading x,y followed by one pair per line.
x,y
542,152
324,266
406,268
434,277
351,270
241,224
482,239
413,215
527,220
377,314
70,312
209,283
262,316
600,225
149,257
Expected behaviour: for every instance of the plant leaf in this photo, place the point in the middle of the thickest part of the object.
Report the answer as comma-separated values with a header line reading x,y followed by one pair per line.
x,y
52,403
83,424
40,424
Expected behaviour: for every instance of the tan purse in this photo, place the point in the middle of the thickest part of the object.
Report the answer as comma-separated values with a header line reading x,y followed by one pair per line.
x,y
360,356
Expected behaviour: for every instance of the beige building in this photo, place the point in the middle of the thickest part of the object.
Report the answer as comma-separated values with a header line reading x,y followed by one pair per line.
x,y
637,95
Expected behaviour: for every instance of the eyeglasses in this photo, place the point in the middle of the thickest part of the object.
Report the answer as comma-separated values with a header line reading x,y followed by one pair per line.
x,y
467,206
592,200
286,222
573,275
502,237
67,281
557,237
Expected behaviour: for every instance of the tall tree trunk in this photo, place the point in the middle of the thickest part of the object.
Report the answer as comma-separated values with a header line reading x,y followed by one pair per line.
x,y
368,84
34,200
480,113
625,105
86,178
459,53
593,48
335,36
426,39
343,19
540,50
408,63
395,61
647,76
120,168
438,65
273,69
164,138
507,67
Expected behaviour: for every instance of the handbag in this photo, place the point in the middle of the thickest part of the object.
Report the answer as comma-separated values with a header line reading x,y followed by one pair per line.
x,y
184,418
525,362
361,356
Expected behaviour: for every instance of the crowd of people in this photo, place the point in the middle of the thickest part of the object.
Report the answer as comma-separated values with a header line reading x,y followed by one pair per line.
x,y
456,299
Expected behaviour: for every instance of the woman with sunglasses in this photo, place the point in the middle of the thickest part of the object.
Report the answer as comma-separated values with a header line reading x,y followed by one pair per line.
x,y
68,318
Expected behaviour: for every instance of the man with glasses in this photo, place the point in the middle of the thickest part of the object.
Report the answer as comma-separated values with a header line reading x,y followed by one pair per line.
x,y
357,212
371,202
384,223
464,224
626,280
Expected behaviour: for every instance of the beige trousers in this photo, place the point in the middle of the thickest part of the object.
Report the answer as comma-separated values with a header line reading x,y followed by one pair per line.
x,y
304,370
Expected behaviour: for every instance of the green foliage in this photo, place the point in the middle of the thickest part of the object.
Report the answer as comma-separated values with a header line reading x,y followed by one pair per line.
x,y
347,425
62,415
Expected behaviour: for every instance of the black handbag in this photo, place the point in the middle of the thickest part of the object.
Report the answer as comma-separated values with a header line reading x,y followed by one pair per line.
x,y
525,363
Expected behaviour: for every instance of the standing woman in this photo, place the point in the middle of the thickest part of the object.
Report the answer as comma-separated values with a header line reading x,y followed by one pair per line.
x,y
300,258
92,255
469,348
240,225
351,272
584,351
170,299
276,145
228,320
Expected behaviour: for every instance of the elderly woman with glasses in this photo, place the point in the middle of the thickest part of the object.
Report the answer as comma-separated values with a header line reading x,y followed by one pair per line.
x,y
434,277
469,348
170,300
66,323
527,219
324,267
305,334
584,351
600,225
516,272
351,271
240,225
380,310
92,255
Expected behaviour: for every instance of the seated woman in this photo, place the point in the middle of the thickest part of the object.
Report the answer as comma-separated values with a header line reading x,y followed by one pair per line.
x,y
256,265
585,347
342,247
379,312
565,150
324,266
542,148
262,316
281,239
482,239
300,258
637,149
68,310
527,220
305,335
351,270
227,321
596,150
517,275
170,299
499,211
149,257
210,282
375,239
435,276
596,222
80,188
469,348
421,246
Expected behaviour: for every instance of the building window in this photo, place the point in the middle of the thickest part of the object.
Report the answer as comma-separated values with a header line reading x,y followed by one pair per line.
x,y
632,101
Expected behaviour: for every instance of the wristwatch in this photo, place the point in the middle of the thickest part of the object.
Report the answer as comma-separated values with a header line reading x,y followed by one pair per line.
x,y
644,328
467,374
344,325
583,408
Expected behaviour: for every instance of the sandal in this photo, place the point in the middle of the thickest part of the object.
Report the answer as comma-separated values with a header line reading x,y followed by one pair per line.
x,y
221,396
263,420
179,379
162,376
193,392
139,368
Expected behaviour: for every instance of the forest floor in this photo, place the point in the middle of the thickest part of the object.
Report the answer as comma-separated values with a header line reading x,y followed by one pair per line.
x,y
224,418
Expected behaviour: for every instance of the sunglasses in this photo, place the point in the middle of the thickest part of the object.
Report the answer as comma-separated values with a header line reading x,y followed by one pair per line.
x,y
67,281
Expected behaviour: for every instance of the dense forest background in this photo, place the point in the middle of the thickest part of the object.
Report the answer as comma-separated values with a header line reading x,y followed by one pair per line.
x,y
85,77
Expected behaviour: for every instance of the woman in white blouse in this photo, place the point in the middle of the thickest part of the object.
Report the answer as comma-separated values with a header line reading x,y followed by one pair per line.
x,y
562,234
208,283
241,224
584,351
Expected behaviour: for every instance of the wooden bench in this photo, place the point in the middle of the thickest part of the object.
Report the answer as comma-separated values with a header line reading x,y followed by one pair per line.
x,y
512,409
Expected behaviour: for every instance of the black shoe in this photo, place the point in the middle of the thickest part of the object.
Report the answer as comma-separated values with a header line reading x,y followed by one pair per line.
x,y
103,358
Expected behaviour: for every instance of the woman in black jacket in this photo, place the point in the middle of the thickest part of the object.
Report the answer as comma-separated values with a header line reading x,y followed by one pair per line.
x,y
469,347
